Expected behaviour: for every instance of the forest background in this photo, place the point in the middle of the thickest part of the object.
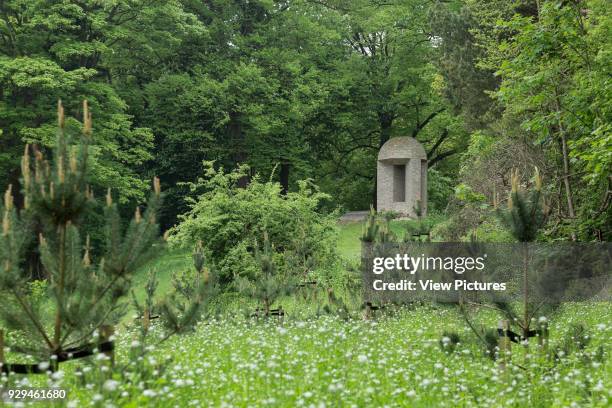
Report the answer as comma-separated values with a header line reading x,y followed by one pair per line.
x,y
309,89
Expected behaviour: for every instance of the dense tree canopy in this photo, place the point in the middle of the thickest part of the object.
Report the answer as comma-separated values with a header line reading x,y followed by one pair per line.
x,y
311,89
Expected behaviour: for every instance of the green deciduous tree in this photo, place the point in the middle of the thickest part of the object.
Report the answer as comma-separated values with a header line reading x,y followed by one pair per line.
x,y
552,62
71,50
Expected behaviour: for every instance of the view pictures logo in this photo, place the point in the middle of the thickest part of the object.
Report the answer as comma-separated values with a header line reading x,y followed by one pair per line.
x,y
450,272
413,264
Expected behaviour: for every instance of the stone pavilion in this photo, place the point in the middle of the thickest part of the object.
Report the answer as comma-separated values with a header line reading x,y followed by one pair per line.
x,y
401,183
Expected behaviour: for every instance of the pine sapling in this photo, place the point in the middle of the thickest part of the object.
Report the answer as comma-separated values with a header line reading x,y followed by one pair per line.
x,y
84,295
269,283
524,217
193,289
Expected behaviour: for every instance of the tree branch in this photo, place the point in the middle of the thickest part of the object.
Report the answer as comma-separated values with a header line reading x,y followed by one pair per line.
x,y
428,119
440,157
440,140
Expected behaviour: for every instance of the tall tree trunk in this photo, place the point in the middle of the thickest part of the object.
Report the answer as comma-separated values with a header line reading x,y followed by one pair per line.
x,y
285,167
566,166
239,154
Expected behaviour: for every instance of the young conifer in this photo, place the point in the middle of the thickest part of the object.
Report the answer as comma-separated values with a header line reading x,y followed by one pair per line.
x,y
83,295
524,217
183,307
269,283
525,214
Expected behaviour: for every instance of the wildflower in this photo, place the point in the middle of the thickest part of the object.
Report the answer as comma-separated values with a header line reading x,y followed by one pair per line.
x,y
598,387
110,385
149,393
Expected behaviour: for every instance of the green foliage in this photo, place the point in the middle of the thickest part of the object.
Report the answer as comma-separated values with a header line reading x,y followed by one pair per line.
x,y
57,51
555,79
465,193
268,283
465,84
439,191
484,183
229,219
377,227
531,80
370,227
311,89
383,86
525,214
491,230
182,307
575,339
419,231
491,343
82,295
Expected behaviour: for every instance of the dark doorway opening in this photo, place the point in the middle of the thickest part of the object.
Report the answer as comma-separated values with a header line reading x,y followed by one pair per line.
x,y
399,183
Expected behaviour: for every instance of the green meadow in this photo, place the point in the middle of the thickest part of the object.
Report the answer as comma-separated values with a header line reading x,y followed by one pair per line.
x,y
309,359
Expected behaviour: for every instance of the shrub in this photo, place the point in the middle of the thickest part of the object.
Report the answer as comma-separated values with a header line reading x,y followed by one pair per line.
x,y
229,220
491,230
439,191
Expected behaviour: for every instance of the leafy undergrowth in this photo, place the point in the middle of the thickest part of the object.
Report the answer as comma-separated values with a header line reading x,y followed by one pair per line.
x,y
325,361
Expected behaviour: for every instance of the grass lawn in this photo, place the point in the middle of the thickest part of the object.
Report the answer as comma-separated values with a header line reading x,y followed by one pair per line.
x,y
168,262
349,244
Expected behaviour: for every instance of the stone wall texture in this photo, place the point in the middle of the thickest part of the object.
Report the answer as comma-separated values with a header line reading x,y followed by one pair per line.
x,y
408,152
